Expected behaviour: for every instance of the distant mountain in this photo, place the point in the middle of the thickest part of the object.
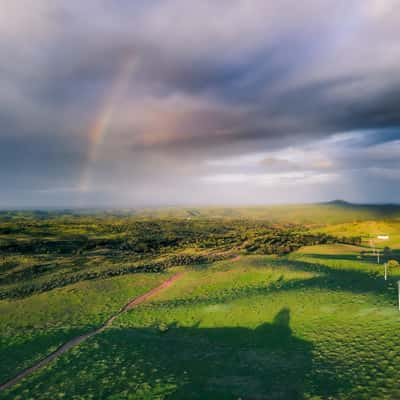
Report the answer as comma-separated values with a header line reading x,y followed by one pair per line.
x,y
338,202
345,203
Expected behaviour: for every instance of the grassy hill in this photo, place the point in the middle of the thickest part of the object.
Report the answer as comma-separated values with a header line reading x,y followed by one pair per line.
x,y
272,302
367,230
320,213
333,212
317,324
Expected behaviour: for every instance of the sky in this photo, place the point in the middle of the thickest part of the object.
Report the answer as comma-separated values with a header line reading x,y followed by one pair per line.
x,y
117,103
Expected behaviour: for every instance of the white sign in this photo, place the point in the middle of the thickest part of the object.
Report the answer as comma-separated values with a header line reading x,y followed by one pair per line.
x,y
383,237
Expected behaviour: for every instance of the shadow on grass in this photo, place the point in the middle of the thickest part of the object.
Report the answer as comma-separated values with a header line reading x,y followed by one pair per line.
x,y
394,254
349,257
23,350
363,257
267,362
357,281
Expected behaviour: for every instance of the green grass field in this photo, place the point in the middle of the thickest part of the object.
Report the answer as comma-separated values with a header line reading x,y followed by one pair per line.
x,y
34,326
368,230
334,212
320,323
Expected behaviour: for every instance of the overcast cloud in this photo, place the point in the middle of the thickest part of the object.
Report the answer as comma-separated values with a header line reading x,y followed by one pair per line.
x,y
121,103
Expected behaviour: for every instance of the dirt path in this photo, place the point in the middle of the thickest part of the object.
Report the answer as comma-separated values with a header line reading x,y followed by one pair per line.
x,y
79,339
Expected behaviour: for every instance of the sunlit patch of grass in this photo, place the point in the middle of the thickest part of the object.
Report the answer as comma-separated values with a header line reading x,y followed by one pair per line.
x,y
216,335
367,230
331,249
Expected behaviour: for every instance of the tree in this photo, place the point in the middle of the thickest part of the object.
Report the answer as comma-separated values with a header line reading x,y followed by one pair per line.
x,y
387,252
393,263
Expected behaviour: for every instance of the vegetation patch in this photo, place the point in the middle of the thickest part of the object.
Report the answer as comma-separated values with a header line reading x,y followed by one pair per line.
x,y
265,310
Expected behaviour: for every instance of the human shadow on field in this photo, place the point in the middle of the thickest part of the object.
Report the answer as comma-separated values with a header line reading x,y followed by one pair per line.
x,y
268,362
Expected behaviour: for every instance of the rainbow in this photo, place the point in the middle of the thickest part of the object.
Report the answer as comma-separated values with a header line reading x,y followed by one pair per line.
x,y
98,128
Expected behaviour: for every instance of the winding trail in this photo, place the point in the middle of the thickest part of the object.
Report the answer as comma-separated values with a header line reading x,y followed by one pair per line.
x,y
79,339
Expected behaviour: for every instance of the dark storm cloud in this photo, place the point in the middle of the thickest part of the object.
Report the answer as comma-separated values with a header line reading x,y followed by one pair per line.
x,y
210,80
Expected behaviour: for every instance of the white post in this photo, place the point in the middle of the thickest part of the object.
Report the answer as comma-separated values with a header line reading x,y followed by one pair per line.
x,y
385,271
378,255
398,290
